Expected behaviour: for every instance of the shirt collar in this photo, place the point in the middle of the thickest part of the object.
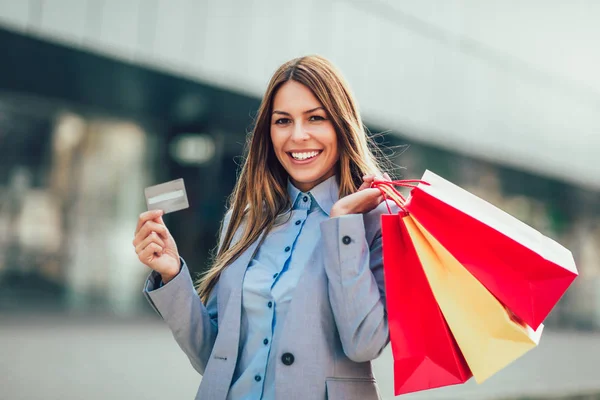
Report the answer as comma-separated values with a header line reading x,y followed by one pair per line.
x,y
325,193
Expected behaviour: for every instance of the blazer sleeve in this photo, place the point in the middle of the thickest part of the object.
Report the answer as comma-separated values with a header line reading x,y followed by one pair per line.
x,y
354,268
193,324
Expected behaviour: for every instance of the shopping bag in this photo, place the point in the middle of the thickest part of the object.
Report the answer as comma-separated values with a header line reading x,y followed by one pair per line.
x,y
425,353
487,336
527,271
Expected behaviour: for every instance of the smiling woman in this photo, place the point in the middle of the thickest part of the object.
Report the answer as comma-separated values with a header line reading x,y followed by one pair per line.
x,y
292,307
304,139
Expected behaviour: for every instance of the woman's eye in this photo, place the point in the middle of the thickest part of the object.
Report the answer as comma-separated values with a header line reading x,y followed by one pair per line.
x,y
316,118
282,121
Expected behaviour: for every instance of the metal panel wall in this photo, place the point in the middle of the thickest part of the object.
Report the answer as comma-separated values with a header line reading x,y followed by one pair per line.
x,y
511,82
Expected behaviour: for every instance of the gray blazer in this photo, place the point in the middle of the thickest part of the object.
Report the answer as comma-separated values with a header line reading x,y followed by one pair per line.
x,y
335,326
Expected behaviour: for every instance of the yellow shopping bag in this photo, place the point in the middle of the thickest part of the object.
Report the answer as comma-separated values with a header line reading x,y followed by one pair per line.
x,y
483,328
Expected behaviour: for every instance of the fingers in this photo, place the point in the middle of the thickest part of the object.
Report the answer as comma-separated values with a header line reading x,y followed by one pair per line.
x,y
147,229
368,180
148,216
372,198
365,185
374,194
152,238
371,177
159,220
367,196
147,255
384,177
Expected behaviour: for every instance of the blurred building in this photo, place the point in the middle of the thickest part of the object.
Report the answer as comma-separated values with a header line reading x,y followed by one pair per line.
x,y
101,98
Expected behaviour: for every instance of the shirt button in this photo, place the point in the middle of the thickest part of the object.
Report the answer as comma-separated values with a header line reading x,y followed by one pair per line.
x,y
266,341
257,378
346,240
270,304
305,199
287,358
298,222
275,275
287,249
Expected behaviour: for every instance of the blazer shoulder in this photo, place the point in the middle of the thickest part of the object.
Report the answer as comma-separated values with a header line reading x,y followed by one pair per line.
x,y
227,217
224,226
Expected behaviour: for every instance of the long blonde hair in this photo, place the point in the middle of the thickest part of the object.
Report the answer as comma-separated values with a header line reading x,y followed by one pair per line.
x,y
260,194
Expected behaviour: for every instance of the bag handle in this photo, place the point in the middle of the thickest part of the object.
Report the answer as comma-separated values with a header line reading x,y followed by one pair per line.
x,y
388,190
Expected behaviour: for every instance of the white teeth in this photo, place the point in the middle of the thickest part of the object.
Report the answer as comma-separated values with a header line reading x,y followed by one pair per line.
x,y
305,156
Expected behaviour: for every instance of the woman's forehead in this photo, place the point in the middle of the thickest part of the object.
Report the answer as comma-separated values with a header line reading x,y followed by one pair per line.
x,y
293,96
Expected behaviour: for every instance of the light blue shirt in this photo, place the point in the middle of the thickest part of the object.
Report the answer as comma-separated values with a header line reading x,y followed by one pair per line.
x,y
268,288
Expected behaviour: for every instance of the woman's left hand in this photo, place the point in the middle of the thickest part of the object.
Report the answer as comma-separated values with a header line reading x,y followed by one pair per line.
x,y
363,201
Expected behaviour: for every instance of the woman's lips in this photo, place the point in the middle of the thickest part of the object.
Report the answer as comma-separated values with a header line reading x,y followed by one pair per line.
x,y
307,160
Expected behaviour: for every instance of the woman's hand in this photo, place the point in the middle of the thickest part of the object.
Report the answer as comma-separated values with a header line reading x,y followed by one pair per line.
x,y
155,246
363,201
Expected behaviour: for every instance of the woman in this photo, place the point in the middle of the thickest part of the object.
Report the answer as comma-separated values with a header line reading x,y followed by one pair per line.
x,y
293,306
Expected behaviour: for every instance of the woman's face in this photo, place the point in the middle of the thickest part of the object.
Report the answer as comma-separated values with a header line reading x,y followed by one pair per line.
x,y
303,136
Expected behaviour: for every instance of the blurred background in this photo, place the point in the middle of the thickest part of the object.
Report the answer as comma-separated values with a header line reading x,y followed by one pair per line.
x,y
102,98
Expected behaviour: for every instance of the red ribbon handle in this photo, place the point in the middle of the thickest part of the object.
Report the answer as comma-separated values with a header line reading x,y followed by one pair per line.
x,y
388,190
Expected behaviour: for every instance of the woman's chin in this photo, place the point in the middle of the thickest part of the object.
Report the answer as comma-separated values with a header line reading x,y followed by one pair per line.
x,y
307,180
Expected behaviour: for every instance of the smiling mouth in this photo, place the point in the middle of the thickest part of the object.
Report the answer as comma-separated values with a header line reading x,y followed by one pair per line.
x,y
304,155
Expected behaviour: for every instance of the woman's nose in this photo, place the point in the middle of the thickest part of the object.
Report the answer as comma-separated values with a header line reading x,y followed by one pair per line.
x,y
300,133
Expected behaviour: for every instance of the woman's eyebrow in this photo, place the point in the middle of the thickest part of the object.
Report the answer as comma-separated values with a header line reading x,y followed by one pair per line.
x,y
314,109
305,112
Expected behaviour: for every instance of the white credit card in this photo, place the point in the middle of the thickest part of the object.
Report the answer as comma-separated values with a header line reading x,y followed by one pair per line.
x,y
168,196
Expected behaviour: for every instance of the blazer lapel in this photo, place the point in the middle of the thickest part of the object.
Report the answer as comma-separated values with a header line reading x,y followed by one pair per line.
x,y
233,278
230,293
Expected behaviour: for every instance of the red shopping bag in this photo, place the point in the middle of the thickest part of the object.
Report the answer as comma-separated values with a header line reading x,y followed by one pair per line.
x,y
525,270
425,353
